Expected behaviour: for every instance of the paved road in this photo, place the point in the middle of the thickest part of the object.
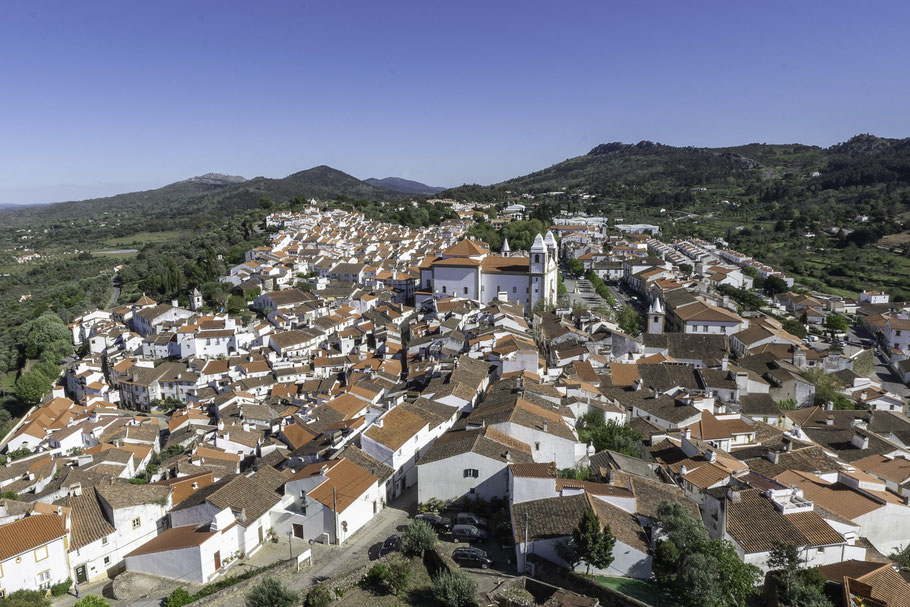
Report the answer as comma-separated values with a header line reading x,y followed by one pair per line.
x,y
582,291
115,283
889,380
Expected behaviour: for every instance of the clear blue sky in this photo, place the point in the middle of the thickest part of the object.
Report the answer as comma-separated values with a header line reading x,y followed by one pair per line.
x,y
105,97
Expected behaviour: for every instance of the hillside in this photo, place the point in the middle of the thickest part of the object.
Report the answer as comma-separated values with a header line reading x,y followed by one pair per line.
x,y
867,174
185,204
397,184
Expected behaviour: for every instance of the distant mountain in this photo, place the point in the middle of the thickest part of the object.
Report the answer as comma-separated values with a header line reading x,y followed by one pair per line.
x,y
187,202
397,184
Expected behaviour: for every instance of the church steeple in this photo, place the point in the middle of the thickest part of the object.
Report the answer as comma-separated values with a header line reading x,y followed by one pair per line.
x,y
506,251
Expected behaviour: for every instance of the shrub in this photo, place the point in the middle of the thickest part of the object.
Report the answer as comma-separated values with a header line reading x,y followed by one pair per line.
x,y
178,598
61,588
418,538
25,598
455,589
270,593
92,600
399,576
377,578
317,597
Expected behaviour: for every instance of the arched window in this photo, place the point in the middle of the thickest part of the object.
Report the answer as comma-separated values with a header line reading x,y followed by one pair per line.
x,y
537,258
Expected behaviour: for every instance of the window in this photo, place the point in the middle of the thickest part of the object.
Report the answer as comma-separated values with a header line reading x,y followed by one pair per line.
x,y
104,541
537,446
107,560
465,290
44,579
40,553
471,473
482,288
443,289
537,258
514,289
137,522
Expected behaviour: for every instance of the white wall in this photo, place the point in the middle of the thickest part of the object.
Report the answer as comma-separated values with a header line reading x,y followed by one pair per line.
x,y
24,574
444,479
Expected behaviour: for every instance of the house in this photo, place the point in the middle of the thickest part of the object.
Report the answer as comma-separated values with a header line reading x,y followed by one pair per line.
x,y
329,501
757,520
482,455
395,439
540,525
33,553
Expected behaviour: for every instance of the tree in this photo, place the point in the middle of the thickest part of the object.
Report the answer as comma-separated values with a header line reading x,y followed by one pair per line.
x,y
266,204
796,586
576,267
417,538
630,320
836,323
236,304
603,435
774,285
693,568
593,545
92,600
32,386
901,556
270,593
455,589
794,327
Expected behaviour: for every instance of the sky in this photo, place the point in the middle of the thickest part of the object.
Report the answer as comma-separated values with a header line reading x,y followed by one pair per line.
x,y
98,98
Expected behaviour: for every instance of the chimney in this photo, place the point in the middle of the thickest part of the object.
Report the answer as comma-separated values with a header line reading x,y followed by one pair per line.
x,y
711,455
863,395
508,456
612,477
688,433
772,456
683,470
860,441
829,420
546,426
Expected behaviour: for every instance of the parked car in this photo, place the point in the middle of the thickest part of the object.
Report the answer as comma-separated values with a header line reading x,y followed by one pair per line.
x,y
468,533
472,557
391,544
468,518
439,523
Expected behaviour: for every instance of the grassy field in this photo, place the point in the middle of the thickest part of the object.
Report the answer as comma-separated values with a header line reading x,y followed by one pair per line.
x,y
141,238
645,592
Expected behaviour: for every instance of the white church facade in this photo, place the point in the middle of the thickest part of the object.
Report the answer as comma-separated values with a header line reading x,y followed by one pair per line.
x,y
470,271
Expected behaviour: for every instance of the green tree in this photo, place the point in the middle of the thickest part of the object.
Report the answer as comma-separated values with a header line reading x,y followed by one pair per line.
x,y
630,321
836,323
695,570
794,327
31,387
593,545
576,267
417,538
92,600
236,304
827,390
455,589
266,204
594,429
270,593
774,285
901,556
796,586
399,576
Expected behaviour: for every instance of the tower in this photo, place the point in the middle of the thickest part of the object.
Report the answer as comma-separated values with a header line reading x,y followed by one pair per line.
x,y
656,317
196,300
506,250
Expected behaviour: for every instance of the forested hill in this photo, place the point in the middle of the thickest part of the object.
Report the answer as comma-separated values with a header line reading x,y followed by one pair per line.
x,y
185,203
866,174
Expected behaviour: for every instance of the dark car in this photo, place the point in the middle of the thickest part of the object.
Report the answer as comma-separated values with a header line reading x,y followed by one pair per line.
x,y
439,523
472,557
468,518
468,533
390,544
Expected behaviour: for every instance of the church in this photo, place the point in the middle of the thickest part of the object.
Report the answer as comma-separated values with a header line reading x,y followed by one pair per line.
x,y
469,270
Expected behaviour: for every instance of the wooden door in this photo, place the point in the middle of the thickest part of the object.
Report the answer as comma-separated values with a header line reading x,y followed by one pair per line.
x,y
260,535
80,574
217,560
298,530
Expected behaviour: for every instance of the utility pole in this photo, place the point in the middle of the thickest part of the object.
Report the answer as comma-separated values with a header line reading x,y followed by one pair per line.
x,y
335,511
290,547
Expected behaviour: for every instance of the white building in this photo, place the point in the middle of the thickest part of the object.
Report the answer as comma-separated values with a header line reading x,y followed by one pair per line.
x,y
33,553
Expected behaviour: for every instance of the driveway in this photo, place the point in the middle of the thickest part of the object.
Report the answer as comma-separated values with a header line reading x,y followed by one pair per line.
x,y
890,381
